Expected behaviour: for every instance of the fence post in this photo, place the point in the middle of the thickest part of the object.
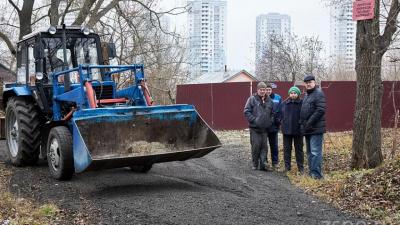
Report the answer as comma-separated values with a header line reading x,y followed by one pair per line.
x,y
251,88
396,122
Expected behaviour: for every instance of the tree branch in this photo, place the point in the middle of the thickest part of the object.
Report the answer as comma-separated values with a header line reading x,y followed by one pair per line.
x,y
14,5
53,12
10,25
66,11
97,6
129,22
157,16
84,12
385,7
41,7
8,42
171,11
39,19
390,27
96,17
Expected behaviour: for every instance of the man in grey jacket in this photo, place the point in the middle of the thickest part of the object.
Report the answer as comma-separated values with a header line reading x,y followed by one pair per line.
x,y
258,112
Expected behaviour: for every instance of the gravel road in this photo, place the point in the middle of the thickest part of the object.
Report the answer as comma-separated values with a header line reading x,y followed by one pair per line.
x,y
219,188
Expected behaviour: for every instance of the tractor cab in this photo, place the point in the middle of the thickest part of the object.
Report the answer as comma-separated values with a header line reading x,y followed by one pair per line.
x,y
42,53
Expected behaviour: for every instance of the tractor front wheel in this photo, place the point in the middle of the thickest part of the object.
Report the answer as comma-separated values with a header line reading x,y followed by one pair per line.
x,y
59,153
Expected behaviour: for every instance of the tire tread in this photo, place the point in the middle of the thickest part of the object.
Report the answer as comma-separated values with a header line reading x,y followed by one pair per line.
x,y
30,122
65,143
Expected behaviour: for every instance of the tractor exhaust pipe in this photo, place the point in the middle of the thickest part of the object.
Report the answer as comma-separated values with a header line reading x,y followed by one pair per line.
x,y
67,81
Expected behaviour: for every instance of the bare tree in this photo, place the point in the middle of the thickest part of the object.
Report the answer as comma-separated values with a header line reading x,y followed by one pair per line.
x,y
391,65
313,64
139,41
374,38
371,45
336,70
89,12
267,66
288,59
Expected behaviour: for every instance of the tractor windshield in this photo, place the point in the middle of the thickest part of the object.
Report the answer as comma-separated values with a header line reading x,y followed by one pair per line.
x,y
80,51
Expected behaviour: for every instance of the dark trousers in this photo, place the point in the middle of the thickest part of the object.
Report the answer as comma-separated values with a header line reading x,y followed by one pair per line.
x,y
273,144
259,148
298,148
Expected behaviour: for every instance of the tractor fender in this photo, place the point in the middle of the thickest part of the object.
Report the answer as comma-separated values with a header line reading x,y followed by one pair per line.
x,y
14,91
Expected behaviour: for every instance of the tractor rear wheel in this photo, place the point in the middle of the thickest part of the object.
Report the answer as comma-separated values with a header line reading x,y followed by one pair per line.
x,y
141,168
22,128
59,153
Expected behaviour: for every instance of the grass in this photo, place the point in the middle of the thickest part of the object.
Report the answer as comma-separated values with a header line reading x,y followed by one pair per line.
x,y
373,193
15,211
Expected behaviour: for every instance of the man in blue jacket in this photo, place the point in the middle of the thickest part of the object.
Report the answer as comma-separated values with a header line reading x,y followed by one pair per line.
x,y
259,114
273,130
312,125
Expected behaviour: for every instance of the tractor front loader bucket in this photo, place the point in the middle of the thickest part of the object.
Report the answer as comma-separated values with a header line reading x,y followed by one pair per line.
x,y
130,136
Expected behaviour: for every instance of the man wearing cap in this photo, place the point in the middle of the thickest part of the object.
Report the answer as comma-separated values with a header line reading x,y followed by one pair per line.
x,y
312,123
259,114
274,129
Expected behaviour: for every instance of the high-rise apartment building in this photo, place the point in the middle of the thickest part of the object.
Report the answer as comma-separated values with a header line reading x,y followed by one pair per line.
x,y
268,25
343,35
207,39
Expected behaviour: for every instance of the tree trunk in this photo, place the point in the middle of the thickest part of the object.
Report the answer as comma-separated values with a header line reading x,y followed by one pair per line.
x,y
367,119
84,12
25,18
53,12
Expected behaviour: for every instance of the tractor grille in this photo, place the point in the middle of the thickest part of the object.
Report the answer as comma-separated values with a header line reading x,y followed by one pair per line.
x,y
103,92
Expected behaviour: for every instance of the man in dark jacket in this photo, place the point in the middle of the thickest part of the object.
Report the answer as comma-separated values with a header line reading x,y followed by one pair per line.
x,y
258,112
291,129
312,120
274,129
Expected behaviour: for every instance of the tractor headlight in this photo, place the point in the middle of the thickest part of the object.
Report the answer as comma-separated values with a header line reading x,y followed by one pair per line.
x,y
85,30
39,75
52,30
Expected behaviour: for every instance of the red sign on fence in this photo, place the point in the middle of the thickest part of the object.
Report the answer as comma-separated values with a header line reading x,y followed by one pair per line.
x,y
363,9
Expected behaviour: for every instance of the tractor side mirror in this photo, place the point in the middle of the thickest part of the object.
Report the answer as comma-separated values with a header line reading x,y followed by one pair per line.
x,y
112,52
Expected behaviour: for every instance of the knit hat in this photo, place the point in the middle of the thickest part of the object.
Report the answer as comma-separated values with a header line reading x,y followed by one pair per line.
x,y
261,85
295,90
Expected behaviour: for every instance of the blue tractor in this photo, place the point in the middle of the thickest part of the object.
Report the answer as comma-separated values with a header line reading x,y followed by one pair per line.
x,y
80,114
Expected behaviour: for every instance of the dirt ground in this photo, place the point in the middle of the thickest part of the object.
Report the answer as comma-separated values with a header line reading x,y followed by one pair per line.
x,y
219,188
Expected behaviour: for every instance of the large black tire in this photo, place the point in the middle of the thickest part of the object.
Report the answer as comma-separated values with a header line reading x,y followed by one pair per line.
x,y
59,153
23,121
141,169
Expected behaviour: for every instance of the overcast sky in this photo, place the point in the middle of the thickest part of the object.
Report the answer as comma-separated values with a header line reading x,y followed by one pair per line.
x,y
308,17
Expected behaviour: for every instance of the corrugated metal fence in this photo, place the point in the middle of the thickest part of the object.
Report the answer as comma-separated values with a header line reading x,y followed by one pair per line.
x,y
221,104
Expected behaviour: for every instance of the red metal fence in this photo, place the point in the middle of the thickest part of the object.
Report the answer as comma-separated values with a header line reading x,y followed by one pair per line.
x,y
221,104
